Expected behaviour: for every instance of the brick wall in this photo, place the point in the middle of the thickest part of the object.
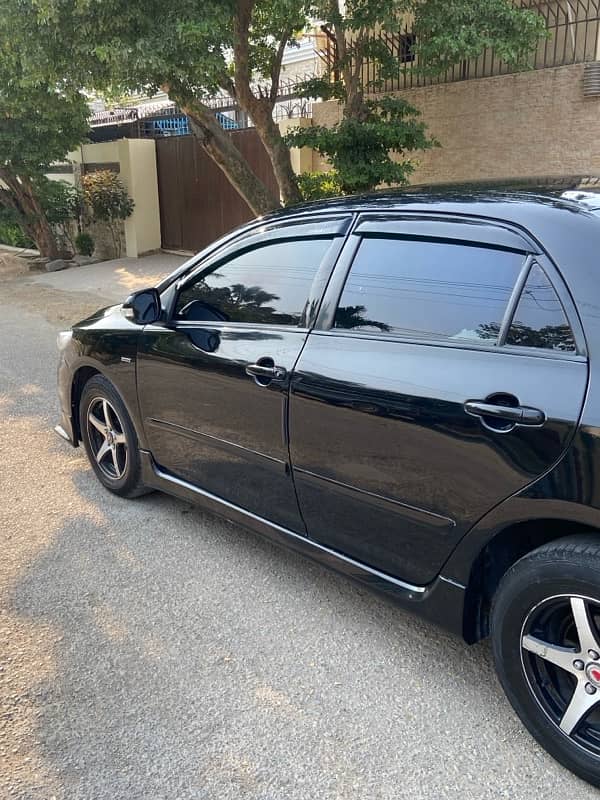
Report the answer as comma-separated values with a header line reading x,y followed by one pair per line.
x,y
531,123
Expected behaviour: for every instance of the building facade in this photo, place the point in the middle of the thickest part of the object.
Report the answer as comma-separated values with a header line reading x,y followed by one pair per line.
x,y
496,124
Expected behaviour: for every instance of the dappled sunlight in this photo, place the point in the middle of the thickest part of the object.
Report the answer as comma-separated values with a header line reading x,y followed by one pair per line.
x,y
31,389
109,623
269,698
134,281
228,772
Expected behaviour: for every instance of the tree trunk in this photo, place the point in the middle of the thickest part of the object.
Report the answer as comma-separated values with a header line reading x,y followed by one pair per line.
x,y
261,113
219,146
43,235
260,108
20,196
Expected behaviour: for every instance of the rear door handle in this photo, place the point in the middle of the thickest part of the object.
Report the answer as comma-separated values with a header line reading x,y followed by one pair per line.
x,y
519,415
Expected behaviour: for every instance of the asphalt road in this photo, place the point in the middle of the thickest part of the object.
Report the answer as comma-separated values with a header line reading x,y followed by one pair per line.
x,y
149,650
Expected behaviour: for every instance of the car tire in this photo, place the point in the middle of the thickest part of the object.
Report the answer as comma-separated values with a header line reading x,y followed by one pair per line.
x,y
109,438
545,625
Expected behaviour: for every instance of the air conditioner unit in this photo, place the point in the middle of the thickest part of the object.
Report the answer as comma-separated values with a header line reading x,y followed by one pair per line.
x,y
591,79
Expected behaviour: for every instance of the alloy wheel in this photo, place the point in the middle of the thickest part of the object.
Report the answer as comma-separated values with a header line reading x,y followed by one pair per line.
x,y
560,653
107,438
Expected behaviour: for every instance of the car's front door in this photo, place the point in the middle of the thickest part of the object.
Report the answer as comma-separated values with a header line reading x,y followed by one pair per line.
x,y
213,381
442,377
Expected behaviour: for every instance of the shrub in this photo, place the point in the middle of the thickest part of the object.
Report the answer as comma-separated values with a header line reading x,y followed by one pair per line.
x,y
107,201
11,232
84,244
318,185
62,206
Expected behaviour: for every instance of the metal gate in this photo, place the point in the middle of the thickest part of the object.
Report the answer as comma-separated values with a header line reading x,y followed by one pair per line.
x,y
197,202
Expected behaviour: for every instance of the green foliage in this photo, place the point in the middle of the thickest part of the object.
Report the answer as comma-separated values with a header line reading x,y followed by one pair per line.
x,y
185,47
105,196
84,244
40,122
318,185
359,150
62,205
369,146
61,202
107,200
127,45
448,32
11,232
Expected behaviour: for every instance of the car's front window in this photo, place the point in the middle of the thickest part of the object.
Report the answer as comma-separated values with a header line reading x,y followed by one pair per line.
x,y
267,284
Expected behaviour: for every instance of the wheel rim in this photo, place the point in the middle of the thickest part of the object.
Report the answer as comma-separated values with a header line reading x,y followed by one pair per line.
x,y
107,439
560,654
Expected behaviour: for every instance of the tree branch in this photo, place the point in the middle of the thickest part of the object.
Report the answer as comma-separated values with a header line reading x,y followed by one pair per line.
x,y
241,27
276,65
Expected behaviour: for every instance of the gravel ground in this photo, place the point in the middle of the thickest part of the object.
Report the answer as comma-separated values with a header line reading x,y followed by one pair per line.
x,y
149,650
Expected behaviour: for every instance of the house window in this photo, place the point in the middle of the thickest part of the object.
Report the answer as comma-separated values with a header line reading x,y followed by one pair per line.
x,y
406,47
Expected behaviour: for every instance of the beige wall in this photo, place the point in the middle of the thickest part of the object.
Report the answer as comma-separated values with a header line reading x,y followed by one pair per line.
x,y
303,158
533,123
137,169
138,172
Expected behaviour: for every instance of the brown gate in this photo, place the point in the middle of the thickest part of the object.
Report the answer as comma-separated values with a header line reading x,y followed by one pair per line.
x,y
197,202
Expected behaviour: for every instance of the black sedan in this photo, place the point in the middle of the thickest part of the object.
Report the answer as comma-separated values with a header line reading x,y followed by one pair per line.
x,y
400,386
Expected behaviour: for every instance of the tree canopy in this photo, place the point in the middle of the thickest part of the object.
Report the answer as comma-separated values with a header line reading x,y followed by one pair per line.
x,y
194,50
40,122
372,143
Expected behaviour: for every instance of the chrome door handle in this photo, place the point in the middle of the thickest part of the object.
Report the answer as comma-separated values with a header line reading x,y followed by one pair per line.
x,y
273,373
519,415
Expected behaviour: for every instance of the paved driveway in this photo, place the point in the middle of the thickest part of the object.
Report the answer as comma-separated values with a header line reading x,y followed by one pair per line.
x,y
112,279
149,650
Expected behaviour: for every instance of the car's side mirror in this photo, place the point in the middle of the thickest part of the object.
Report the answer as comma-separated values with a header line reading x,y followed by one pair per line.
x,y
143,307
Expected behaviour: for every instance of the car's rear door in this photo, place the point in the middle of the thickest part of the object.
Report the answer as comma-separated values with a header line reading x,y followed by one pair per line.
x,y
444,374
213,380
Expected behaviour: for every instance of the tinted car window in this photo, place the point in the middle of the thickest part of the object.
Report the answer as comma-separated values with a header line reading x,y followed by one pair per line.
x,y
268,284
539,320
427,289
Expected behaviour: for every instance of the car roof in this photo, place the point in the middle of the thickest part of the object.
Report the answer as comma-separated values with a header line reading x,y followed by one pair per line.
x,y
458,197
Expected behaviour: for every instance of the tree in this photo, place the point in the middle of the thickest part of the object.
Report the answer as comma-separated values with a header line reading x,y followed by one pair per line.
x,y
191,50
39,124
359,150
194,50
365,146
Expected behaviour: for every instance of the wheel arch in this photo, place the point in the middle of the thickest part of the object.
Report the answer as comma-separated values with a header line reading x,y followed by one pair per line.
x,y
80,377
498,554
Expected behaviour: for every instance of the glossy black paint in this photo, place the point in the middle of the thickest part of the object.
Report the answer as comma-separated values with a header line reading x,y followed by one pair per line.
x,y
362,455
223,432
390,468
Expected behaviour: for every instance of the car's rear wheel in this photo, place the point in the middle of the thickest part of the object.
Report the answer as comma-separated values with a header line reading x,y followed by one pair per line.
x,y
109,438
546,640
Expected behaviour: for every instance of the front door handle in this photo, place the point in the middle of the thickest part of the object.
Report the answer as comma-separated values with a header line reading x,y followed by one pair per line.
x,y
265,371
518,415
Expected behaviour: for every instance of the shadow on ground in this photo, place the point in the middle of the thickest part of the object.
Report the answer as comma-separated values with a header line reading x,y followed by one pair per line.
x,y
154,651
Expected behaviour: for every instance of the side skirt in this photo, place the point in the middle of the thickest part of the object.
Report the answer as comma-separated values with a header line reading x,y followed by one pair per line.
x,y
441,601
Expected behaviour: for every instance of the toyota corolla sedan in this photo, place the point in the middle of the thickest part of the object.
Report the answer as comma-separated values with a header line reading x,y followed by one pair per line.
x,y
403,387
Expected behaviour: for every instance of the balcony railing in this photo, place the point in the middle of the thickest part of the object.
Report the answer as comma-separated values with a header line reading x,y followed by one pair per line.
x,y
574,31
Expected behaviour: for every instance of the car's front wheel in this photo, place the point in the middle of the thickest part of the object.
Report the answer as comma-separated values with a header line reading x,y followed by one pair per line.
x,y
546,640
109,438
